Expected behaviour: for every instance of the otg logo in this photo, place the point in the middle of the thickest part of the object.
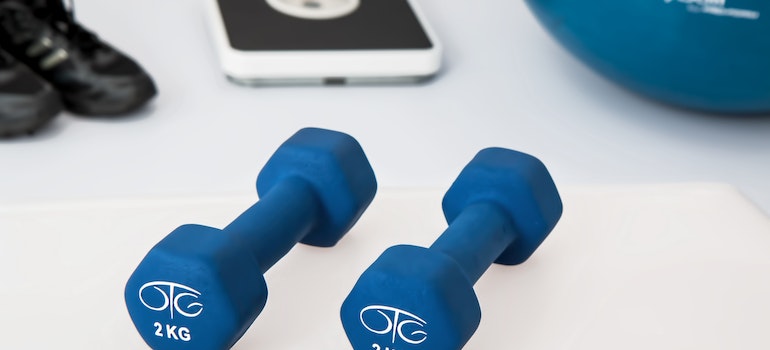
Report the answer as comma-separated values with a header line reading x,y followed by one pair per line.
x,y
172,294
396,320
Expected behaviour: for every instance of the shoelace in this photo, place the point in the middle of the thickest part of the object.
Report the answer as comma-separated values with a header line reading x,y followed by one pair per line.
x,y
20,22
63,19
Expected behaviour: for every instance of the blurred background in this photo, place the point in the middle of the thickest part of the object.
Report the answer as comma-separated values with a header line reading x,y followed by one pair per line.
x,y
504,83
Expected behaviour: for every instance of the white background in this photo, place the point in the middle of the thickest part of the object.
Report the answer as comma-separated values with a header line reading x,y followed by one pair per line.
x,y
505,83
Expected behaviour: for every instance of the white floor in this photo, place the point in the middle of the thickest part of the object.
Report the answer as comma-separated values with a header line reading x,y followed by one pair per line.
x,y
505,83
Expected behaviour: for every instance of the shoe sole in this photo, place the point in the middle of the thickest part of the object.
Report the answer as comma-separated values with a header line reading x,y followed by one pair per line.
x,y
39,117
89,107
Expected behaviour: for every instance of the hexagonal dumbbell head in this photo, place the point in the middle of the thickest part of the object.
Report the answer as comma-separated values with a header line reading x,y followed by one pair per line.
x,y
201,288
501,207
339,172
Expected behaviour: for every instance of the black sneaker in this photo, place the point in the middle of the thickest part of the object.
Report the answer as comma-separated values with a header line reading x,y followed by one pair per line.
x,y
27,102
92,77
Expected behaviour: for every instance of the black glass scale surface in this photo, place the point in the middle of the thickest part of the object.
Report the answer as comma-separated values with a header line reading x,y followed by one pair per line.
x,y
253,25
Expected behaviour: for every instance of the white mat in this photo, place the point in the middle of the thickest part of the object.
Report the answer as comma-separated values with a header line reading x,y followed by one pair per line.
x,y
641,267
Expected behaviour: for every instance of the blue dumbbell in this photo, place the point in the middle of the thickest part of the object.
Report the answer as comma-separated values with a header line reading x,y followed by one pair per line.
x,y
500,208
201,287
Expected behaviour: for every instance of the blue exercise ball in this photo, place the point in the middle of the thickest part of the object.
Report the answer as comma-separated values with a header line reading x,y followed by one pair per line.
x,y
711,55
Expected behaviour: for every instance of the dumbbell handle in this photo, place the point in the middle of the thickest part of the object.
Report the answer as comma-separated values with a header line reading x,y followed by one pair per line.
x,y
280,219
476,238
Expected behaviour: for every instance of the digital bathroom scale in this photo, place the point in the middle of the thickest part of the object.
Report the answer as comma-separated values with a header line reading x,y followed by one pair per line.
x,y
336,42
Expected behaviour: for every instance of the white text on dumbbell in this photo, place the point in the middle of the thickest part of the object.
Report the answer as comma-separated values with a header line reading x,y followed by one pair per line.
x,y
399,324
168,295
178,299
172,332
